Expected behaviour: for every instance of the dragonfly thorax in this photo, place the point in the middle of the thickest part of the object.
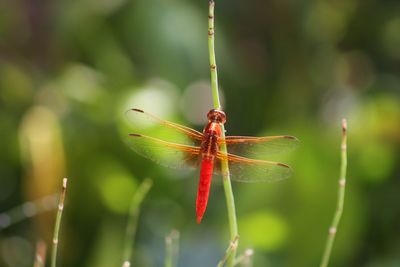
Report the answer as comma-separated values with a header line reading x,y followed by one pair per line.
x,y
209,145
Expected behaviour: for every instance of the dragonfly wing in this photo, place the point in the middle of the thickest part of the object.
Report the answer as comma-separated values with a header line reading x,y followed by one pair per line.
x,y
260,147
165,153
148,124
251,170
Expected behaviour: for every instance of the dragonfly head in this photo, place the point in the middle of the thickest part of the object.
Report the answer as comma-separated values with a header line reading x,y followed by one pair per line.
x,y
216,115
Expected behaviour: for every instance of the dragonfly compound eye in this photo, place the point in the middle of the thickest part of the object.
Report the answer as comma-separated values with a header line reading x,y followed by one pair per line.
x,y
216,115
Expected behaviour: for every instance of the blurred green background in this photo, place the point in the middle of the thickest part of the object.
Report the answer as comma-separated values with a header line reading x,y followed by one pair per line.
x,y
69,70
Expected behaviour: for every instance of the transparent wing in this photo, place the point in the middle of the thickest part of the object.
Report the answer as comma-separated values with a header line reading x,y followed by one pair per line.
x,y
165,153
260,147
251,170
148,124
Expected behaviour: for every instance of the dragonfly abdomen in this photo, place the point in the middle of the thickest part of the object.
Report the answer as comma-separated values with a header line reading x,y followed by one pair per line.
x,y
206,172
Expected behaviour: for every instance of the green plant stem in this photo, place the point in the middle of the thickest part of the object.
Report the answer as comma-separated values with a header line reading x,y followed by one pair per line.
x,y
58,223
211,51
232,247
137,199
172,249
340,199
230,201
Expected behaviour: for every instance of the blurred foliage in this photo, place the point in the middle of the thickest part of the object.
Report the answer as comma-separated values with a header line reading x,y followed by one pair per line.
x,y
70,69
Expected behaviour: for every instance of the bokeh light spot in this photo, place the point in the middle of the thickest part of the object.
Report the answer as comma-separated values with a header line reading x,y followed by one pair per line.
x,y
157,97
117,192
116,184
197,101
263,230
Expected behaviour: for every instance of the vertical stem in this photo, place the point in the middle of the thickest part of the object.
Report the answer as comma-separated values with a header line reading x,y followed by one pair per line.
x,y
230,201
58,223
211,51
133,220
172,249
340,199
232,247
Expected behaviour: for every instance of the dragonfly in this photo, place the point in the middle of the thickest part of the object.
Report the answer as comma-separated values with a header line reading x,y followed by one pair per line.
x,y
182,147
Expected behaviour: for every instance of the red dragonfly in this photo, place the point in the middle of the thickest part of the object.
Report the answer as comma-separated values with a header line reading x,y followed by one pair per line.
x,y
183,147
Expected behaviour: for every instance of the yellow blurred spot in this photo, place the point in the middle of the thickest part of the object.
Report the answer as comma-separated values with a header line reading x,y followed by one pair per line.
x,y
42,151
115,183
263,230
117,191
